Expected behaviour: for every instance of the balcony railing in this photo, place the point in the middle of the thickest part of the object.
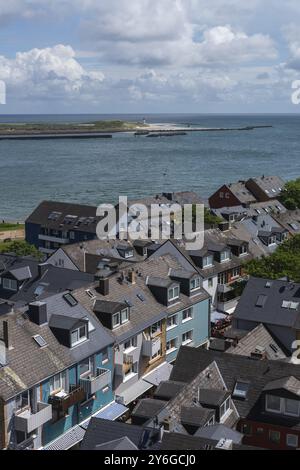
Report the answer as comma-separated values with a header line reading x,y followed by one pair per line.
x,y
49,238
151,346
27,421
94,383
63,403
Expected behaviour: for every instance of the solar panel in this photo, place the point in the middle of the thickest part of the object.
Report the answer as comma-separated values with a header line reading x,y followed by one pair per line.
x,y
70,300
40,341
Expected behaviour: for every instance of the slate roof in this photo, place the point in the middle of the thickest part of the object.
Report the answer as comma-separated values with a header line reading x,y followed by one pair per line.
x,y
28,364
291,384
241,192
211,397
168,389
52,280
272,312
148,407
21,274
218,432
258,374
271,185
118,444
145,309
101,431
178,442
95,251
261,338
195,415
290,220
41,215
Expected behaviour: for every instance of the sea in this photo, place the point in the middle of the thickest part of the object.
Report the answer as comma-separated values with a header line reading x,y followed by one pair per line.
x,y
95,171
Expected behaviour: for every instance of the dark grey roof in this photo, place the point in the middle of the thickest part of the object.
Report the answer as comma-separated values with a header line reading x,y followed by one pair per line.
x,y
233,368
118,444
241,192
178,442
21,274
291,384
51,281
181,274
218,432
101,431
102,306
212,397
271,185
159,282
63,322
168,389
42,216
196,415
272,312
148,407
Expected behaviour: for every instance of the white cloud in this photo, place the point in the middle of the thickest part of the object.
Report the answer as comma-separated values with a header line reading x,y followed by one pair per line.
x,y
48,73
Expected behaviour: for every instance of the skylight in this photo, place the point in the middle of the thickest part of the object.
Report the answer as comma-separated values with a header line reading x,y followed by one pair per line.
x,y
54,215
261,301
241,389
70,299
290,305
40,341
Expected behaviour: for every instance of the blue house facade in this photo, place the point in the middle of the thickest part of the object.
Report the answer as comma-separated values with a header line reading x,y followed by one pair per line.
x,y
188,327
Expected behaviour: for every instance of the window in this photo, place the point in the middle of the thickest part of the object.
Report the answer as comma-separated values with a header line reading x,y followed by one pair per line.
x,y
72,236
187,315
187,338
22,400
207,261
124,316
236,272
273,404
58,382
85,367
274,437
172,345
156,328
292,440
105,356
10,284
173,293
222,278
291,407
172,322
210,282
259,431
241,389
195,284
130,344
116,320
224,256
130,371
225,407
79,335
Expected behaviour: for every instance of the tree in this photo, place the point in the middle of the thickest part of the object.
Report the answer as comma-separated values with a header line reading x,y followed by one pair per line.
x,y
284,262
290,196
20,248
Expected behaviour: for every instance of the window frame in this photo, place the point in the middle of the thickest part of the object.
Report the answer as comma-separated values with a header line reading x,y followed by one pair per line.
x,y
10,282
191,317
195,279
172,289
174,324
81,339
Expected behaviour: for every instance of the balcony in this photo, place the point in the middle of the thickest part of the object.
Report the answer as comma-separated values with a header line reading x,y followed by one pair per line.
x,y
62,401
48,238
151,346
224,288
26,421
94,383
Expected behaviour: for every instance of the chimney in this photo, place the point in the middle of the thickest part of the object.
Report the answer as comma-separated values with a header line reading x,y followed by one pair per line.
x,y
38,313
42,268
132,277
6,335
103,287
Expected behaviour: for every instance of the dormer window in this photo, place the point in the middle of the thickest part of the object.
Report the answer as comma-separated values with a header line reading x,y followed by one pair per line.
x,y
243,250
224,256
173,293
79,335
116,320
285,406
207,261
124,316
195,284
10,284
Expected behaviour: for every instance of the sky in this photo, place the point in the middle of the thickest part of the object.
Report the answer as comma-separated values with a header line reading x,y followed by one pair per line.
x,y
149,56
